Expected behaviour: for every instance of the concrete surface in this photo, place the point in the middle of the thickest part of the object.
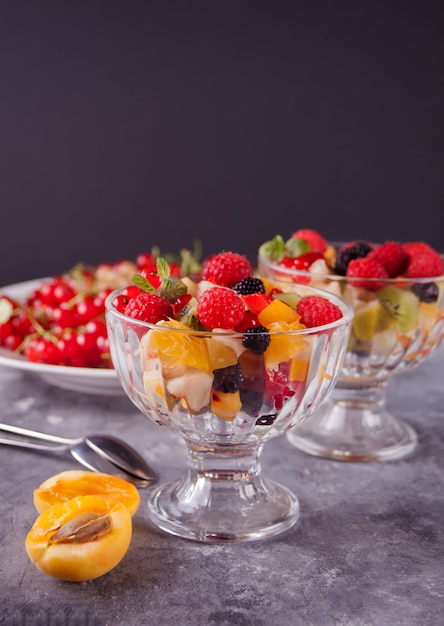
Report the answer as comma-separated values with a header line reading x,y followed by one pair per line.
x,y
368,549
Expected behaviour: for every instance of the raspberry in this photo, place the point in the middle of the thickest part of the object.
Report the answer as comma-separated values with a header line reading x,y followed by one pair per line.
x,y
149,307
220,307
316,242
366,268
415,247
257,339
249,285
227,379
424,265
226,268
392,256
317,311
349,251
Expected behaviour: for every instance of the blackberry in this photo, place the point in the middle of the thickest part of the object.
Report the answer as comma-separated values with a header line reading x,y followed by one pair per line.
x,y
249,285
426,292
257,339
348,252
227,379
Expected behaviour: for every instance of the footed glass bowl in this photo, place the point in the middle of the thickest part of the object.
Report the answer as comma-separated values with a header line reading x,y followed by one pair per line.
x,y
397,323
225,401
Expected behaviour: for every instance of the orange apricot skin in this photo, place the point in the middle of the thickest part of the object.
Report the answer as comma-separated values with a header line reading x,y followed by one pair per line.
x,y
71,483
78,562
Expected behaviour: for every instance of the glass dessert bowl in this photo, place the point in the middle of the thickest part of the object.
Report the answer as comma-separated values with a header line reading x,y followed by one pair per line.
x,y
398,321
227,392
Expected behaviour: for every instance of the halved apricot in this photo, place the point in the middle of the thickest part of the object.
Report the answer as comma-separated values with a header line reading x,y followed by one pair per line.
x,y
71,483
81,539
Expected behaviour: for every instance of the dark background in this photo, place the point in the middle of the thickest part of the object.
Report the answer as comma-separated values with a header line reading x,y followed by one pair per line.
x,y
129,124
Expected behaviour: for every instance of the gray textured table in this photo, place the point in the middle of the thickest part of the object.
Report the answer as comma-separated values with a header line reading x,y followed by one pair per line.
x,y
368,549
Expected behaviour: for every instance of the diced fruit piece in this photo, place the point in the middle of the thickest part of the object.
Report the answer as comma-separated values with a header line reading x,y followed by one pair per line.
x,y
81,539
277,311
402,304
176,348
371,318
299,367
71,483
220,354
289,298
302,262
283,345
251,392
256,302
191,385
225,405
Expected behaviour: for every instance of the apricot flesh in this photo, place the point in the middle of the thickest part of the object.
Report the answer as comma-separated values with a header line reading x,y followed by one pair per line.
x,y
81,539
71,483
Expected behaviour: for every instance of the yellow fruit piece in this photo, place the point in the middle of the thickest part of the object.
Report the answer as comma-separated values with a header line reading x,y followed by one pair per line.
x,y
179,347
298,369
225,405
269,285
220,354
81,539
277,311
71,483
329,255
283,345
369,319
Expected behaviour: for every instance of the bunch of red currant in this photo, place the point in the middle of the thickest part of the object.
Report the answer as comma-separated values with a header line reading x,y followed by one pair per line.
x,y
62,322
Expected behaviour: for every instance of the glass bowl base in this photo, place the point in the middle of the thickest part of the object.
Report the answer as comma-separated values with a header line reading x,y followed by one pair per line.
x,y
223,511
353,432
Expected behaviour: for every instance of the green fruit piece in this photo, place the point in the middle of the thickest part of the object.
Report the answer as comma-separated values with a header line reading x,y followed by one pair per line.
x,y
402,304
291,299
371,318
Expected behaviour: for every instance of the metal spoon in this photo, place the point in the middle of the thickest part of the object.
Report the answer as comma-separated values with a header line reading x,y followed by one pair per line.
x,y
84,455
93,450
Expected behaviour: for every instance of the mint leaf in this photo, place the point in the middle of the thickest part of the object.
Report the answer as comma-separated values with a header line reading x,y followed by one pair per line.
x,y
273,249
144,284
296,247
172,288
163,269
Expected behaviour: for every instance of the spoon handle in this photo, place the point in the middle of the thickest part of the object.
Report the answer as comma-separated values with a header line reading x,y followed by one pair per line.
x,y
26,432
32,445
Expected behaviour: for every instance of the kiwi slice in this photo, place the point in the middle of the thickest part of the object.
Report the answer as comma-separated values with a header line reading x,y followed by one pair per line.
x,y
371,318
289,298
402,304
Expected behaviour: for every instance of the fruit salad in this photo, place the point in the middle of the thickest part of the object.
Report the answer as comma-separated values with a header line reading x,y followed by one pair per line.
x,y
225,352
396,290
62,322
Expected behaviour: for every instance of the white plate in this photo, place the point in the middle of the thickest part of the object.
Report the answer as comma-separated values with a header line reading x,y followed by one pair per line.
x,y
83,379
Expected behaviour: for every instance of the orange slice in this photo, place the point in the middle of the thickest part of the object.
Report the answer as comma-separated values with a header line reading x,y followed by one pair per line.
x,y
178,349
